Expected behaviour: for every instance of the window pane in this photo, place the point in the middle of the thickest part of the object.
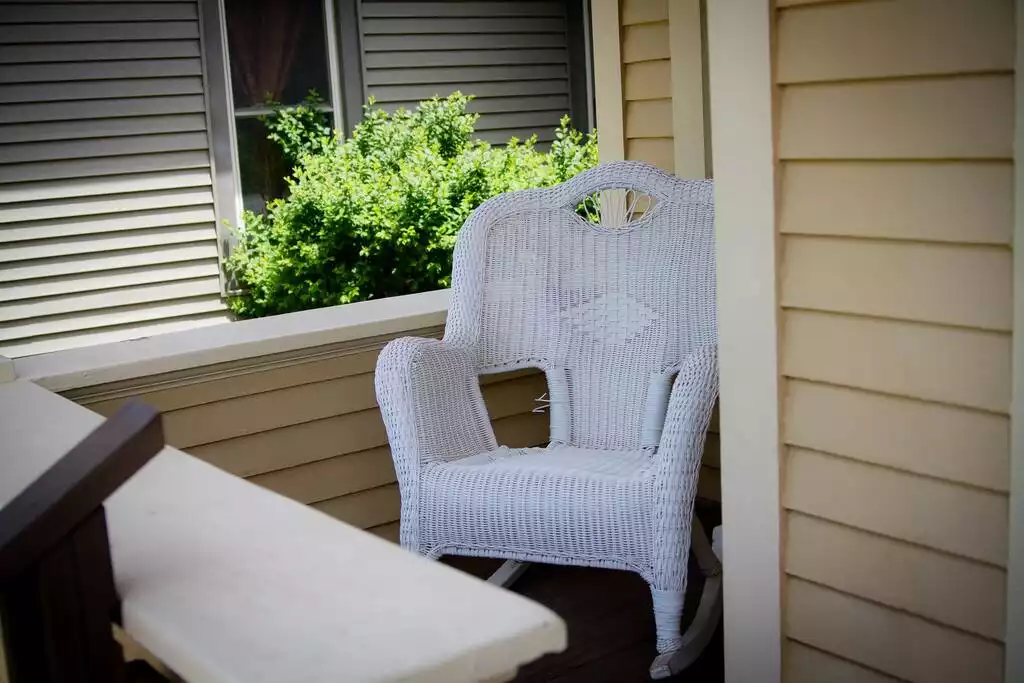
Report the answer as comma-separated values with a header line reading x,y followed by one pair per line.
x,y
277,50
260,163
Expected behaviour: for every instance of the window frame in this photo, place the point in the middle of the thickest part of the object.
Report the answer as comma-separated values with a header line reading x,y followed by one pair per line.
x,y
220,126
334,83
346,74
222,115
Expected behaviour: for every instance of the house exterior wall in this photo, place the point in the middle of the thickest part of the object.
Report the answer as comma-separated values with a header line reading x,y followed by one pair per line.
x,y
893,132
109,205
513,57
650,83
107,221
647,82
895,203
306,424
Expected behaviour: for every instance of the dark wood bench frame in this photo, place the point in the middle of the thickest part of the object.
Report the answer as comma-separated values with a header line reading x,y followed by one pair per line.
x,y
57,596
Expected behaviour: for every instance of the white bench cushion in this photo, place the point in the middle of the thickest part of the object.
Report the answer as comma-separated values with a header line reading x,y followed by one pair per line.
x,y
229,583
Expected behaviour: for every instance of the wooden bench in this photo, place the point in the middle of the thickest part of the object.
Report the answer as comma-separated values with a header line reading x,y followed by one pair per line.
x,y
225,582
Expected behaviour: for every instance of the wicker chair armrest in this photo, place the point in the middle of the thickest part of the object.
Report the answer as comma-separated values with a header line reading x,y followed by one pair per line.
x,y
430,400
677,467
689,413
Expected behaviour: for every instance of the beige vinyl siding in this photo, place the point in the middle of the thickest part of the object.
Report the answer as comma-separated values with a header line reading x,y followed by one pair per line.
x,y
891,641
107,222
511,56
647,82
803,664
307,426
895,144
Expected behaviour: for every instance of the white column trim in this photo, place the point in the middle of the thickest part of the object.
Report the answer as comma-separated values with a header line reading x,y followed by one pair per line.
x,y
611,132
687,58
1015,567
220,130
333,66
740,58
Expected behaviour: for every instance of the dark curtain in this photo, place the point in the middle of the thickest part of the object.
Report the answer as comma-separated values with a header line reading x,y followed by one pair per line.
x,y
263,39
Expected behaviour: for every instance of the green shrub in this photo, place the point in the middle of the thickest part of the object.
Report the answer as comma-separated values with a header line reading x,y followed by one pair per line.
x,y
299,130
376,215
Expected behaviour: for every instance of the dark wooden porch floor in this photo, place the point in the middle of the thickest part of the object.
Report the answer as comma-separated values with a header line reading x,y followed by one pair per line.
x,y
611,627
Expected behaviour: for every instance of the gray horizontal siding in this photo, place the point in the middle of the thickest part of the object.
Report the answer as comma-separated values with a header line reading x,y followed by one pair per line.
x,y
79,168
453,58
461,9
105,204
489,105
526,119
92,71
503,135
111,281
466,74
109,146
457,41
60,32
99,90
89,225
46,12
122,49
511,56
116,109
99,128
73,303
110,260
49,325
105,243
107,223
103,185
403,27
108,334
517,89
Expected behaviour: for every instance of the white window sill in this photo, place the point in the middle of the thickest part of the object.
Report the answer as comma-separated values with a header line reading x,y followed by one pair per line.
x,y
91,365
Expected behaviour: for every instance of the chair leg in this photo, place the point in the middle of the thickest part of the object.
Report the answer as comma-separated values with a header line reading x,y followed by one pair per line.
x,y
677,653
508,573
668,611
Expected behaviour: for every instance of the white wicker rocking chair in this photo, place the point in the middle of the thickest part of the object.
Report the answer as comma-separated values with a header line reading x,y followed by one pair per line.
x,y
620,316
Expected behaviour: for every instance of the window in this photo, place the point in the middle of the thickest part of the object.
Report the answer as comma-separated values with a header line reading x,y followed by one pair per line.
x,y
525,64
278,52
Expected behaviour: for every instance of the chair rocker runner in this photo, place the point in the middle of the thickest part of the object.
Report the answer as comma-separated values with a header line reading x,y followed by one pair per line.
x,y
620,316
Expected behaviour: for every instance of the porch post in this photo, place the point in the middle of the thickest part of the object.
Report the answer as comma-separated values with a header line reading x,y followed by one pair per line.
x,y
689,129
740,74
606,32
